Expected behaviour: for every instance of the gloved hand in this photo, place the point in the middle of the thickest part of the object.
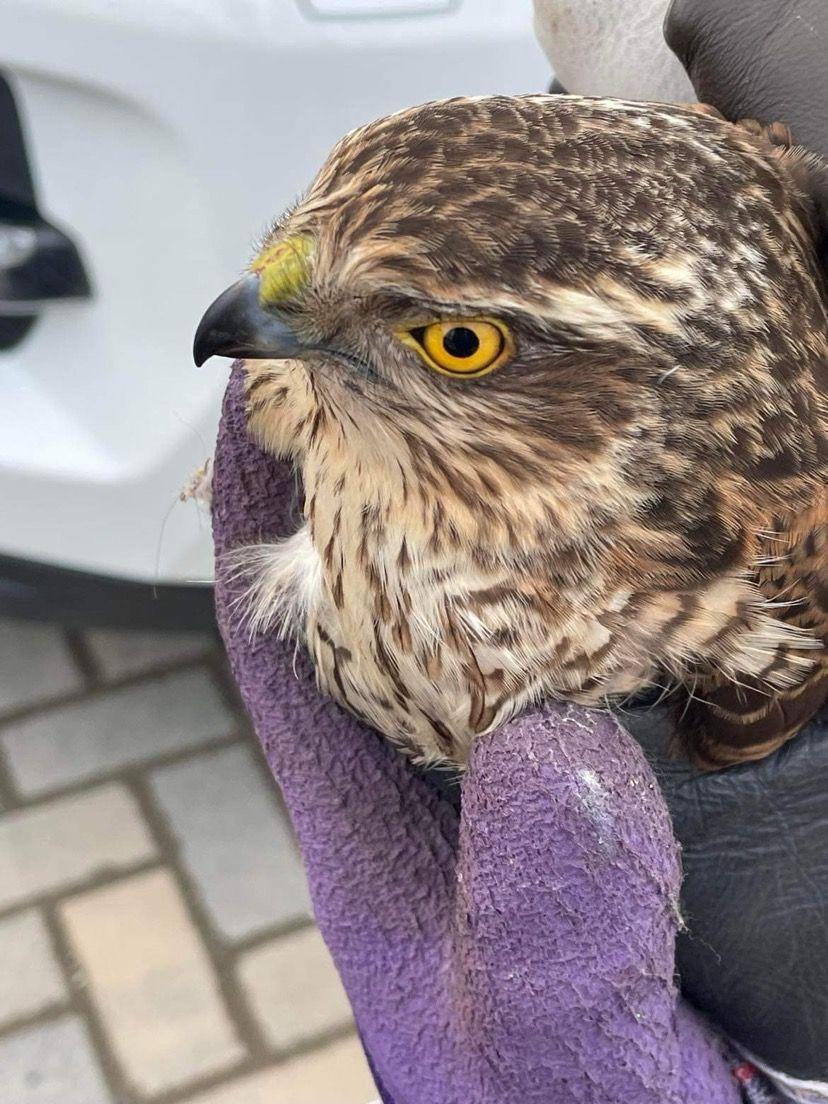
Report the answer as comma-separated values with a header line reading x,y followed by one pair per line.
x,y
519,951
754,954
757,59
756,838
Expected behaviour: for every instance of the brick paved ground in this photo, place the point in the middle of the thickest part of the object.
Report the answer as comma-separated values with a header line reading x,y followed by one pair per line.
x,y
155,937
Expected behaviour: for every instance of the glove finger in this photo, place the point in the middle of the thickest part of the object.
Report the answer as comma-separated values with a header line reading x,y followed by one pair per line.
x,y
568,910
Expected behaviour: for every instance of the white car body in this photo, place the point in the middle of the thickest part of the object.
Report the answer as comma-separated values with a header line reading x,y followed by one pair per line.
x,y
163,136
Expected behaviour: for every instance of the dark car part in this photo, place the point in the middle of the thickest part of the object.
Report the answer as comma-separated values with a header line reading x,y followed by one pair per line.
x,y
38,262
80,599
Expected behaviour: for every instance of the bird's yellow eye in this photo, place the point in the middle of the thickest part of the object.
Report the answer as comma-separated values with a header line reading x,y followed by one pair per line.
x,y
467,347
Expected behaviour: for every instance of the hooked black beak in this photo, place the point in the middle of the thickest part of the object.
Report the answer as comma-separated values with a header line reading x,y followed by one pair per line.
x,y
236,325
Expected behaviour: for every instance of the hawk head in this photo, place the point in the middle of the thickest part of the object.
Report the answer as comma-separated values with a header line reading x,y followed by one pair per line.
x,y
591,334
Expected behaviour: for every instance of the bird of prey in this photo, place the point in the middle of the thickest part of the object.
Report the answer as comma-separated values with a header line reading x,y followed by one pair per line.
x,y
554,374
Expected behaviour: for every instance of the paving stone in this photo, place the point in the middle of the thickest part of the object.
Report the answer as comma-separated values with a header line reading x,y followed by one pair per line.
x,y
151,981
35,664
335,1074
30,978
114,729
234,840
121,652
293,988
52,1063
65,842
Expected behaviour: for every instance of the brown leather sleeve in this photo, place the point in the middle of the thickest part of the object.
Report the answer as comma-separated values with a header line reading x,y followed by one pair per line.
x,y
760,59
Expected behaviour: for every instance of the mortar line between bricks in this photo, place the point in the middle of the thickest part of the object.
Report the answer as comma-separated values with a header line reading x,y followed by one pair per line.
x,y
218,667
81,1003
101,689
271,933
187,1092
223,955
224,678
83,658
80,786
9,797
8,794
47,1014
272,785
74,889
220,955
227,952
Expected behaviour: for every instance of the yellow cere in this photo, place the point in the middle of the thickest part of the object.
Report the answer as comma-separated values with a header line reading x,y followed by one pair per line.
x,y
284,269
465,347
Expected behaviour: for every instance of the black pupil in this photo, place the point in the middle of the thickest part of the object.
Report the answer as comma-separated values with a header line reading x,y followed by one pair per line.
x,y
461,342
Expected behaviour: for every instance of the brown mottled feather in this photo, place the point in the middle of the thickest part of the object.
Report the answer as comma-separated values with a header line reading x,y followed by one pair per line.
x,y
636,498
732,722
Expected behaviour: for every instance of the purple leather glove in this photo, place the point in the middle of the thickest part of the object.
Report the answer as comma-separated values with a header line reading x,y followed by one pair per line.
x,y
520,952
